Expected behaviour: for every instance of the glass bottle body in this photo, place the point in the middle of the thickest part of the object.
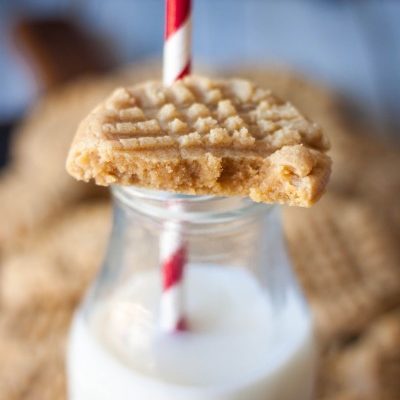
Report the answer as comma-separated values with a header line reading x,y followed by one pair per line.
x,y
250,333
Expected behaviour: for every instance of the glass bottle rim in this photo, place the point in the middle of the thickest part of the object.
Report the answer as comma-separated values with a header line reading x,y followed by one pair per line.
x,y
189,208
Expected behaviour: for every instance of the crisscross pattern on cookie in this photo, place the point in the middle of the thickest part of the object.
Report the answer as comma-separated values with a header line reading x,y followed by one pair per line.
x,y
198,112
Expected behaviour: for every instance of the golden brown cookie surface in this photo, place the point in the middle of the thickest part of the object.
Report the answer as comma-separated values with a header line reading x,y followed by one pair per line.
x,y
202,136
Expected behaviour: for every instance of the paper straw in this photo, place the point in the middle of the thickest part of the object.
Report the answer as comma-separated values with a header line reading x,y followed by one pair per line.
x,y
177,45
173,257
173,248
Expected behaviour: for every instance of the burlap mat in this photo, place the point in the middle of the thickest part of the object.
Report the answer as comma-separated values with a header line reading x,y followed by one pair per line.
x,y
345,249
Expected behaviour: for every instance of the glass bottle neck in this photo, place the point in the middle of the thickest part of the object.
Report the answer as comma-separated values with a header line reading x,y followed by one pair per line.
x,y
187,208
218,232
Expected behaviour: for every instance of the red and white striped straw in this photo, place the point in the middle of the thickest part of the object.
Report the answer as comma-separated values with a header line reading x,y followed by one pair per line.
x,y
173,248
177,45
173,257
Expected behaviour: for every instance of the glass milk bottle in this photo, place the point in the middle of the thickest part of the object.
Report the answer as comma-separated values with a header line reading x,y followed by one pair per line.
x,y
250,334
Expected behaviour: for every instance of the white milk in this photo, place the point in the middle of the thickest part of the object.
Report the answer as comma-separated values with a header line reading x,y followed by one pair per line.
x,y
237,348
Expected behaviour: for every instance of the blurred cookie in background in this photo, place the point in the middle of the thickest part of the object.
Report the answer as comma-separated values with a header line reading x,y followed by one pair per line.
x,y
370,366
347,262
32,372
40,287
54,266
34,187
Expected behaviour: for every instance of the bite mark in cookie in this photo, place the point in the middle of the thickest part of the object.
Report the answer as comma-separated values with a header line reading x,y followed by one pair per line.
x,y
202,136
